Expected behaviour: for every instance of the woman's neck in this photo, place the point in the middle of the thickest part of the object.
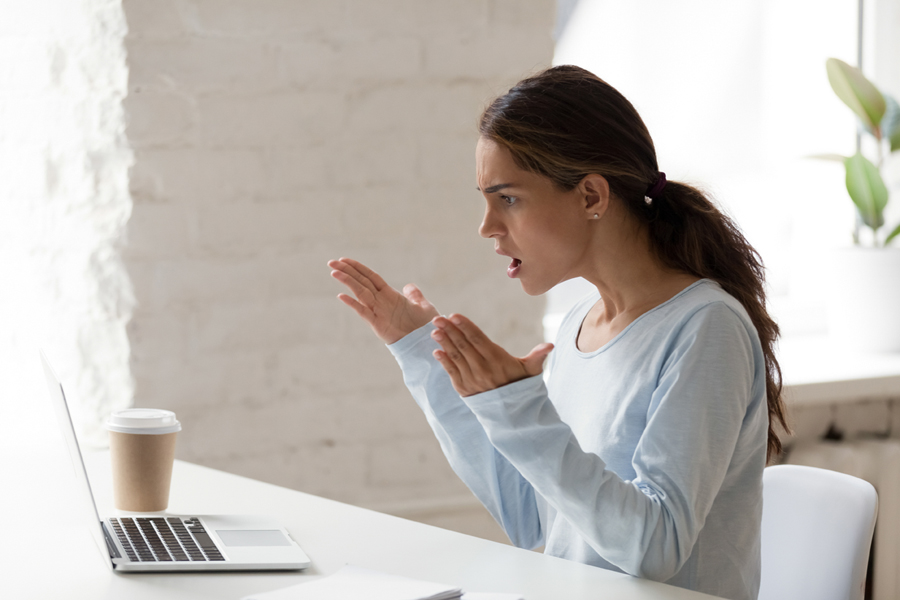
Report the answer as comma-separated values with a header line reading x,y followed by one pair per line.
x,y
631,280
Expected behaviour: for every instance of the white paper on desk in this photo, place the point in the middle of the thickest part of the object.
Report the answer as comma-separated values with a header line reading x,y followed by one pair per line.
x,y
355,583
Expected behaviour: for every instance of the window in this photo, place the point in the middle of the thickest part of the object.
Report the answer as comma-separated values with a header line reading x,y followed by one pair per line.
x,y
64,202
736,98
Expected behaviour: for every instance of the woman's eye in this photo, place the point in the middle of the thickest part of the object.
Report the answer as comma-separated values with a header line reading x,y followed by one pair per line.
x,y
510,200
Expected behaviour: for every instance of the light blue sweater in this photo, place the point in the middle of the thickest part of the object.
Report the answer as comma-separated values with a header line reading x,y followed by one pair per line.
x,y
645,456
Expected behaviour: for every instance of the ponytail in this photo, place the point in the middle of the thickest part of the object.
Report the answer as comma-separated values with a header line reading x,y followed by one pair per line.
x,y
565,123
690,234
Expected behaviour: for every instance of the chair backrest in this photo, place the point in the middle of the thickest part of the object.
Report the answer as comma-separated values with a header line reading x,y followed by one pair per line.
x,y
817,529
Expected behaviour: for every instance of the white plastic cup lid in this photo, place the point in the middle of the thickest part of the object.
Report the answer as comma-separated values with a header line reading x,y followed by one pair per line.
x,y
153,421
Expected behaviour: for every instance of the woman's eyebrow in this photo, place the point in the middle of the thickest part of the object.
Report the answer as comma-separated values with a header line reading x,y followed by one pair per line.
x,y
495,188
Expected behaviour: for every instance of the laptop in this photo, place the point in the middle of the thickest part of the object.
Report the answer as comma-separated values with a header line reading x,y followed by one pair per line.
x,y
164,542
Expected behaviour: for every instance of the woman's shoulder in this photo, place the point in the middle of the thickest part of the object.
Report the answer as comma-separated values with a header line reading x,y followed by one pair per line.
x,y
706,304
706,295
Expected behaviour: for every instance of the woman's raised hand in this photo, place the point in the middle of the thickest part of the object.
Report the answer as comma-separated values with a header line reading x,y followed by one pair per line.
x,y
391,314
475,363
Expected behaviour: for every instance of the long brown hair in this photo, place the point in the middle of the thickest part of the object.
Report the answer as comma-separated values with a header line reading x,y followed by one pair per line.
x,y
565,123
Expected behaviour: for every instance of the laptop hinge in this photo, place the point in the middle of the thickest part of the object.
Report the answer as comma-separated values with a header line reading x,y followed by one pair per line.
x,y
110,544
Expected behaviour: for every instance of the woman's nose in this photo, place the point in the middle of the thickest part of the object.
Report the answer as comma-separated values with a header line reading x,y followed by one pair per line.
x,y
490,226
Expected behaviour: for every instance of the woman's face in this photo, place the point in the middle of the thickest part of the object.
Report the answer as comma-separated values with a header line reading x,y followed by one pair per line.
x,y
544,231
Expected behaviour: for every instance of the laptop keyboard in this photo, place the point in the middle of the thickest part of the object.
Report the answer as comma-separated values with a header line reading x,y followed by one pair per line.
x,y
165,539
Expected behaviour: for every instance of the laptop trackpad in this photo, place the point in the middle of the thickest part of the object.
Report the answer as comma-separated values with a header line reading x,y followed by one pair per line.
x,y
251,537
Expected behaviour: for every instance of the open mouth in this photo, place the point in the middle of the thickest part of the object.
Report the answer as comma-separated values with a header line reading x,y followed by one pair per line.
x,y
513,269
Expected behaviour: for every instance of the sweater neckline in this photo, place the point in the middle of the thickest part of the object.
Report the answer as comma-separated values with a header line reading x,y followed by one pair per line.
x,y
628,327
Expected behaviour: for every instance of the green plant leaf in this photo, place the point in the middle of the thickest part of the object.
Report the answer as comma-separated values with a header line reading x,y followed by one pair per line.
x,y
866,189
890,123
892,235
857,92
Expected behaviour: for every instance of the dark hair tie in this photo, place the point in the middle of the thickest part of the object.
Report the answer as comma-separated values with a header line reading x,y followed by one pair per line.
x,y
654,191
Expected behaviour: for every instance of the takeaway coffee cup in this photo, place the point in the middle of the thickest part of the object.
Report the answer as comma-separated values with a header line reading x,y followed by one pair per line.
x,y
142,450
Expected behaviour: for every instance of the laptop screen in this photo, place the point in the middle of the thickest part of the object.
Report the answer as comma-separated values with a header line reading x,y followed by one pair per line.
x,y
85,496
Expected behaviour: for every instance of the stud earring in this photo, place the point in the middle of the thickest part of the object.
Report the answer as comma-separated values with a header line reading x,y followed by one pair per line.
x,y
596,216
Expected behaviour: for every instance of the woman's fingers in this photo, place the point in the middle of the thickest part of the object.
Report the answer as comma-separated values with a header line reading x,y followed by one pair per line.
x,y
415,295
467,346
473,335
454,353
534,361
476,366
391,315
351,272
453,371
362,292
366,272
361,309
475,363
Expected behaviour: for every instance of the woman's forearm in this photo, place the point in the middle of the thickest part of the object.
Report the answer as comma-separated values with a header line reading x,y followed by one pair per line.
x,y
497,484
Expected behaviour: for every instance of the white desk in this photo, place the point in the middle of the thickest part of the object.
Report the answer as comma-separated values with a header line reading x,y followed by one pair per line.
x,y
331,533
35,510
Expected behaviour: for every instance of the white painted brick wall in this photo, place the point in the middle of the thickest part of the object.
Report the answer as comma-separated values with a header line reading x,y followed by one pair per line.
x,y
269,137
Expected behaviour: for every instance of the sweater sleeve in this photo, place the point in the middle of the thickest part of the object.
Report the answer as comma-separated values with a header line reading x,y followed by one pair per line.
x,y
647,526
494,481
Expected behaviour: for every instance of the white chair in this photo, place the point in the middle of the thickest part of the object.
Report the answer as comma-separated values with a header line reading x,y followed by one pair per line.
x,y
817,529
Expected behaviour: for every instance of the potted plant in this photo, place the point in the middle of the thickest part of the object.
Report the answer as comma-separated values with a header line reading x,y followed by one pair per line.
x,y
865,309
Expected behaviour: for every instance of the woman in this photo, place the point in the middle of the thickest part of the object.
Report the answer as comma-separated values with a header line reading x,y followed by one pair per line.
x,y
643,452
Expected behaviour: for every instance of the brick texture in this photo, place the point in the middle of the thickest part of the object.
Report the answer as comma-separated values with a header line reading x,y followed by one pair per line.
x,y
270,136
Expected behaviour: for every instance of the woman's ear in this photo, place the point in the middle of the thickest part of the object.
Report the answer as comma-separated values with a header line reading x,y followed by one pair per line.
x,y
594,190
